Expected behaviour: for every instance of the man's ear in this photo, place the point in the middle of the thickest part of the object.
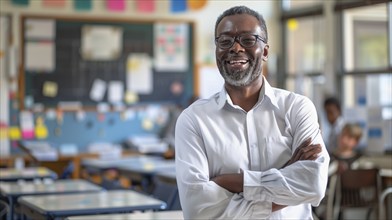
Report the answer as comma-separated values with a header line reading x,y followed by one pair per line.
x,y
265,52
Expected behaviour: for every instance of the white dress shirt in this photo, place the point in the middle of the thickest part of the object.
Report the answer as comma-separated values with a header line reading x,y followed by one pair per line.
x,y
215,137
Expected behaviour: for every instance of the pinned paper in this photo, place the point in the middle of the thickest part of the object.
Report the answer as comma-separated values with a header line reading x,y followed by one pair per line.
x,y
145,5
171,47
82,5
42,29
50,89
98,90
139,73
26,124
131,97
28,134
147,124
53,3
196,4
41,131
40,56
115,92
14,133
115,5
101,42
178,5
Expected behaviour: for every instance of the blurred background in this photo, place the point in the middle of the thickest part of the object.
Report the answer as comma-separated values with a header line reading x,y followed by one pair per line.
x,y
83,79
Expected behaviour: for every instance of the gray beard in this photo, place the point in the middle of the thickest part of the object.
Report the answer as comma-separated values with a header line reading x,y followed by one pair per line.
x,y
240,78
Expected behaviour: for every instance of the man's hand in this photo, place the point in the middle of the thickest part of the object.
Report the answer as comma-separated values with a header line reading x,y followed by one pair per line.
x,y
306,151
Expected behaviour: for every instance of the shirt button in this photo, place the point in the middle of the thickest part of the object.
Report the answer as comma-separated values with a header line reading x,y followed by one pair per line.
x,y
254,145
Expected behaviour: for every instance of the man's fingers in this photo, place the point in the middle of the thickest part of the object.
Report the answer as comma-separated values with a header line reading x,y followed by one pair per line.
x,y
305,143
311,152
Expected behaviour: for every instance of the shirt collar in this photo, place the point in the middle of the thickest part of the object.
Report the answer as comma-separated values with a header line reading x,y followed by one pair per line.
x,y
266,90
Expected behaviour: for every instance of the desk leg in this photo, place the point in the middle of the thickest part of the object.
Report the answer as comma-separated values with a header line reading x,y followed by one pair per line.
x,y
11,203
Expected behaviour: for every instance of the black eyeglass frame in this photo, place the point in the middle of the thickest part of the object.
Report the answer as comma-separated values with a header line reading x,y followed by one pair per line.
x,y
238,40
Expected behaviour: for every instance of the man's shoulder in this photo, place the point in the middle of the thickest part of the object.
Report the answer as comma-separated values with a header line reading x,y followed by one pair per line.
x,y
286,97
203,104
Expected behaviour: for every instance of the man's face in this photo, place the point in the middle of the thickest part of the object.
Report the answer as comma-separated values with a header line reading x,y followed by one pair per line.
x,y
240,66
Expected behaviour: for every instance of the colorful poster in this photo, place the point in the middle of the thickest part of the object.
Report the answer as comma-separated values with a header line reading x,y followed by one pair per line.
x,y
171,47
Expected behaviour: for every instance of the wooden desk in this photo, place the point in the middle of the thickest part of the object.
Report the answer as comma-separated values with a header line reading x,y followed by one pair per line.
x,y
164,215
28,173
57,166
106,202
12,191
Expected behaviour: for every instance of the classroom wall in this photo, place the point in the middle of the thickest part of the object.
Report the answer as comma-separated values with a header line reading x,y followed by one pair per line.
x,y
205,18
113,126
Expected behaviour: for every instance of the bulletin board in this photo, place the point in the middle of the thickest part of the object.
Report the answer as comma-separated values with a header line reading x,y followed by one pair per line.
x,y
57,65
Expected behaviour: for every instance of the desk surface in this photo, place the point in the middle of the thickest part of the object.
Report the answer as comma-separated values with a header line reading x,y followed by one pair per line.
x,y
165,215
12,174
148,166
103,164
103,202
380,161
59,186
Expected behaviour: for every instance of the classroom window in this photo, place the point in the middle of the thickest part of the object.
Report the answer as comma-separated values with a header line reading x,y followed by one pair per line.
x,y
366,38
295,4
305,45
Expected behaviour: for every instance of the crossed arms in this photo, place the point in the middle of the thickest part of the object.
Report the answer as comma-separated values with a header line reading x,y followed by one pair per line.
x,y
234,182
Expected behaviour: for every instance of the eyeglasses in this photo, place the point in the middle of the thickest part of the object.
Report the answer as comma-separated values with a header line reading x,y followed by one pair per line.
x,y
246,41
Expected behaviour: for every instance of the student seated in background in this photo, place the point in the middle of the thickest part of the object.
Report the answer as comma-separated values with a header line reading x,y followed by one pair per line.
x,y
343,157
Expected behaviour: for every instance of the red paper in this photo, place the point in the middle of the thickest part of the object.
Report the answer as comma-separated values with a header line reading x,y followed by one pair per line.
x,y
145,5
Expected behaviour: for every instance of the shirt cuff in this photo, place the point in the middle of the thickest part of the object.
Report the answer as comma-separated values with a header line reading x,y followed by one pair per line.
x,y
253,191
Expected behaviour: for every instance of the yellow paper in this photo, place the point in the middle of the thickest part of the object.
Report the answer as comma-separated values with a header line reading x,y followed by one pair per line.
x,y
131,97
14,133
133,64
147,124
50,89
3,133
41,132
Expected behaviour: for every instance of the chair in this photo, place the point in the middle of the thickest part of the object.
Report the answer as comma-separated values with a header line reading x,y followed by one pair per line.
x,y
4,209
167,192
384,194
359,188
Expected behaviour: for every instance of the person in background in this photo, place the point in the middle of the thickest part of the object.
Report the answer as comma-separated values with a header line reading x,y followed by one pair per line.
x,y
251,151
345,154
334,116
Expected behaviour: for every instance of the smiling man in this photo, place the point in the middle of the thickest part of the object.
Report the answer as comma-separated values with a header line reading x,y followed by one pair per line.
x,y
250,151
